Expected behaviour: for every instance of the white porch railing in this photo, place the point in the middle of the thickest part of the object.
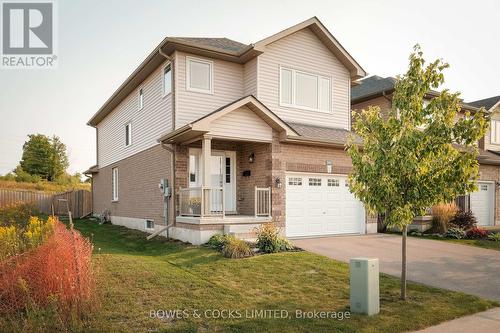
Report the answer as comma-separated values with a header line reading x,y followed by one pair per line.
x,y
210,201
262,201
201,201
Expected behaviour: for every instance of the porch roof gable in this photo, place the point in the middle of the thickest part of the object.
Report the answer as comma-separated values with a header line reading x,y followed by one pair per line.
x,y
202,125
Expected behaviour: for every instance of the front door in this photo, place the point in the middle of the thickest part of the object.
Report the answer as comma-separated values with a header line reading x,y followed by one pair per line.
x,y
222,176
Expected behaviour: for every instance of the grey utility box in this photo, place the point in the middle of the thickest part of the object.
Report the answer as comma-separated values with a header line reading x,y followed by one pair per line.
x,y
364,277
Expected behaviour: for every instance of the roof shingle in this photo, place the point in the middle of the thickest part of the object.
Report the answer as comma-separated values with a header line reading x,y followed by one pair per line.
x,y
488,103
222,44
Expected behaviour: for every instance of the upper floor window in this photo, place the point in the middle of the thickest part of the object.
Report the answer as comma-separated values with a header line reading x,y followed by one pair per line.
x,y
304,90
199,74
128,134
141,99
167,80
495,131
114,183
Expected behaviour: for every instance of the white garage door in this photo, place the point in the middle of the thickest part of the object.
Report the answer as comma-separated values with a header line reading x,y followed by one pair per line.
x,y
482,203
321,205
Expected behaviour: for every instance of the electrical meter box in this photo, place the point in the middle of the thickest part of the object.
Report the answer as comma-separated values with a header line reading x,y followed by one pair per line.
x,y
364,283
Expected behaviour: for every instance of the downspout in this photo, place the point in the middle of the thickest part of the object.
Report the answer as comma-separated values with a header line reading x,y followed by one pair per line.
x,y
172,153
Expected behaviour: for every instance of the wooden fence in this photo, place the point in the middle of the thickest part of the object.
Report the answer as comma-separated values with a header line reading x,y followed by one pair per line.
x,y
79,201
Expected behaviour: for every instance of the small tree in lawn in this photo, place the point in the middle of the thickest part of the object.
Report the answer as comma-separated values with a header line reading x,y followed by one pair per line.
x,y
418,156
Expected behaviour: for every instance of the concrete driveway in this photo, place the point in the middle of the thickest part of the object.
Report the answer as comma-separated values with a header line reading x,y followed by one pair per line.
x,y
440,264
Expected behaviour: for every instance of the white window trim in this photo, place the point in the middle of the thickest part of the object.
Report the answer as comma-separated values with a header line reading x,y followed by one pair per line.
x,y
114,184
164,94
188,83
129,124
140,99
293,104
493,132
146,224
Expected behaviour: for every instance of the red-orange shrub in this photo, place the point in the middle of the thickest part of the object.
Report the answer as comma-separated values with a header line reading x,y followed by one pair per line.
x,y
59,269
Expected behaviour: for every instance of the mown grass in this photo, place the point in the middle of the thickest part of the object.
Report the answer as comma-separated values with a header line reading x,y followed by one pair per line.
x,y
136,276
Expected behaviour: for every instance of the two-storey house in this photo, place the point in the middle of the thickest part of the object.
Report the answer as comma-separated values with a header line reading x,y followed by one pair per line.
x,y
485,202
242,134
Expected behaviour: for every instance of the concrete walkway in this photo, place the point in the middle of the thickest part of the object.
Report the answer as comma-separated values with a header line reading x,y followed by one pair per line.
x,y
484,322
469,269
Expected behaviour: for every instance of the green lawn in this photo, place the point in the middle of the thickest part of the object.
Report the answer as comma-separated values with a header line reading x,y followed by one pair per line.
x,y
136,276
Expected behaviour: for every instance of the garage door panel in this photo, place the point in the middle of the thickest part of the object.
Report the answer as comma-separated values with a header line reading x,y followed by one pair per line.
x,y
482,203
321,210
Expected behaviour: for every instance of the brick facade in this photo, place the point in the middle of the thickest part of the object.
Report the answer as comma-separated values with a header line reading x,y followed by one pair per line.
x,y
138,179
140,174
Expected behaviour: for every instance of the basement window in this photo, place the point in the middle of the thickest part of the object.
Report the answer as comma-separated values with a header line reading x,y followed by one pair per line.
x,y
150,225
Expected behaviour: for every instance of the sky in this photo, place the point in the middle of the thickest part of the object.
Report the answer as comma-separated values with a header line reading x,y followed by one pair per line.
x,y
101,42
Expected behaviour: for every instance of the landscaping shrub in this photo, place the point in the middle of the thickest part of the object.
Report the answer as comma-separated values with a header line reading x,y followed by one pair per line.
x,y
477,233
494,236
58,271
218,241
455,233
17,214
464,220
236,248
269,239
443,213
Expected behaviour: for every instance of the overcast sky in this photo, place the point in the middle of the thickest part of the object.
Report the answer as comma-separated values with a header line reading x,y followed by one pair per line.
x,y
102,42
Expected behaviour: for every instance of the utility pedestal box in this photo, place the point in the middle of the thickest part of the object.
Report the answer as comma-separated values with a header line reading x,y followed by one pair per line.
x,y
364,277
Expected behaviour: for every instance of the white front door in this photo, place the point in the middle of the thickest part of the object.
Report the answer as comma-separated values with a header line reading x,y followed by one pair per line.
x,y
482,203
222,166
319,205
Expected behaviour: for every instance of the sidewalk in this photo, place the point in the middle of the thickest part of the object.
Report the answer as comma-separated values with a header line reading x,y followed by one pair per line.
x,y
484,322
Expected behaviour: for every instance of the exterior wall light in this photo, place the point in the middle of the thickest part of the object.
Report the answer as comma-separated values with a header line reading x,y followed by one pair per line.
x,y
278,182
329,166
251,158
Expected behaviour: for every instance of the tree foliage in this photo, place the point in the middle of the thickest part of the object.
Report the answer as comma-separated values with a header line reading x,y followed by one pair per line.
x,y
43,158
422,153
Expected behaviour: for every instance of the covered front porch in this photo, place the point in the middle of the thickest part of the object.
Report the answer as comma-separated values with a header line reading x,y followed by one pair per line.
x,y
226,182
224,167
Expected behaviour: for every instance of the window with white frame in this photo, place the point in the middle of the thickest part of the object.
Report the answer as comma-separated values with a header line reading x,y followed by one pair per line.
x,y
114,183
194,168
295,181
149,225
167,80
141,99
199,74
314,181
304,90
495,131
128,134
333,182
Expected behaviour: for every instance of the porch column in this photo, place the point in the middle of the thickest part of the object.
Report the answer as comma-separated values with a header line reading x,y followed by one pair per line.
x,y
206,153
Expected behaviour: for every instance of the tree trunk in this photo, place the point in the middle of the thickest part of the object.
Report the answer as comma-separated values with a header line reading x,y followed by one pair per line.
x,y
403,264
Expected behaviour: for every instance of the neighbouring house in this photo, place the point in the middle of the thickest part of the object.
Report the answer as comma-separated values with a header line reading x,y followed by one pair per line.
x,y
485,203
242,134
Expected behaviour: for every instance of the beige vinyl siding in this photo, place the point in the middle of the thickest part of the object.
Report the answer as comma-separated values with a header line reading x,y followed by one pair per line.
x,y
488,145
148,124
304,51
250,77
242,123
228,86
